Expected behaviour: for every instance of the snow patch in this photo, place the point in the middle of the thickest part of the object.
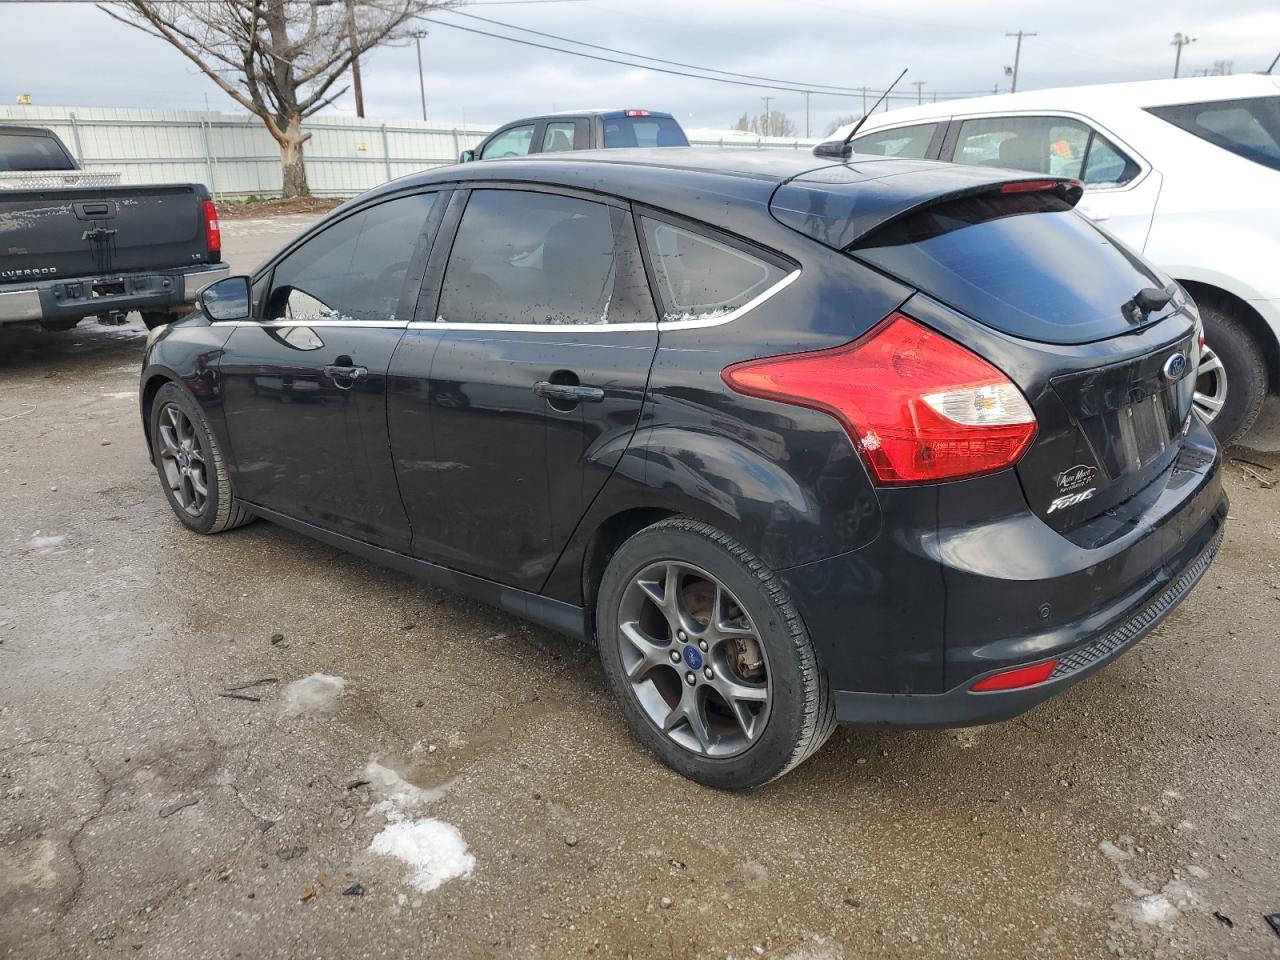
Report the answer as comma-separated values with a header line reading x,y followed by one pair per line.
x,y
44,546
316,694
1162,907
434,851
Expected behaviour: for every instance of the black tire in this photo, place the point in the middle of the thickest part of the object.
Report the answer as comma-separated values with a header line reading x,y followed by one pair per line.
x,y
1245,368
801,711
220,510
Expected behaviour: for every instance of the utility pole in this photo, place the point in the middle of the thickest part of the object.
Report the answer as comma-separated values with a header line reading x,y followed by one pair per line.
x,y
1179,40
1017,57
864,99
919,85
422,84
806,114
355,57
765,126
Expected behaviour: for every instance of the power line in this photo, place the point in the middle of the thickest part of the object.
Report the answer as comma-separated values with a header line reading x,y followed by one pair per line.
x,y
780,85
643,56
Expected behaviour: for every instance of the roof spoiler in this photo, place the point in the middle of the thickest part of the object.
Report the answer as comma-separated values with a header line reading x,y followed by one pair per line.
x,y
841,205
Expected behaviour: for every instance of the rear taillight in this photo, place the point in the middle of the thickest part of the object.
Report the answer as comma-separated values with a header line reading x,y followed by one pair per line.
x,y
919,407
636,113
212,232
1017,677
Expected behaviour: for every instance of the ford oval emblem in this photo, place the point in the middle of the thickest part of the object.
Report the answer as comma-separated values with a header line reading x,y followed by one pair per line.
x,y
692,657
1175,367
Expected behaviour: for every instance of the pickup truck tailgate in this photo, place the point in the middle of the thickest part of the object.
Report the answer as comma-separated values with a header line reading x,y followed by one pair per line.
x,y
85,231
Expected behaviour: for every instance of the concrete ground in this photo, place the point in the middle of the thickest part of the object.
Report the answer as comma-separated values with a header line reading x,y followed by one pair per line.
x,y
143,813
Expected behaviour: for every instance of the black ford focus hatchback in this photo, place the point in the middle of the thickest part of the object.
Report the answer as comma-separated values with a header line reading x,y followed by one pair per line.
x,y
793,443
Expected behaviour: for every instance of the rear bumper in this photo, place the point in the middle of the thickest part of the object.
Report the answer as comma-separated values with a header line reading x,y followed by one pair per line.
x,y
965,581
961,706
68,298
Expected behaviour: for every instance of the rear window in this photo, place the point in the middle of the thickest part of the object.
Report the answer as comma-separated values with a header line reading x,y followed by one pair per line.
x,y
20,152
703,279
1025,264
1248,128
643,132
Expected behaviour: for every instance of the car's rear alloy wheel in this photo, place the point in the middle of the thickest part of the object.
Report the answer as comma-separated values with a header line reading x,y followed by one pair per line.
x,y
693,659
190,464
708,657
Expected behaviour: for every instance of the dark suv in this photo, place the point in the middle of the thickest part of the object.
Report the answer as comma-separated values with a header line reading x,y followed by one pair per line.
x,y
792,442
580,130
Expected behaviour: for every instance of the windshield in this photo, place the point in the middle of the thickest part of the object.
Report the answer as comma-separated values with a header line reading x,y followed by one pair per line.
x,y
23,152
643,132
1248,128
1025,264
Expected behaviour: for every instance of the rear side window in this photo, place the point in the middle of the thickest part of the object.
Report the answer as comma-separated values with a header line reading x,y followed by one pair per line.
x,y
1248,128
541,258
643,132
510,143
1060,146
19,152
700,278
558,136
354,270
910,143
1025,264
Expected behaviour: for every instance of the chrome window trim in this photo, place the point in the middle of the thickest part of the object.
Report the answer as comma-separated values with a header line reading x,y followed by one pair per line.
x,y
305,322
735,313
695,323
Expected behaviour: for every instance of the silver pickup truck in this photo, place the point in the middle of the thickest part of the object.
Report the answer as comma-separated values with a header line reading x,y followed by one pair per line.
x,y
72,246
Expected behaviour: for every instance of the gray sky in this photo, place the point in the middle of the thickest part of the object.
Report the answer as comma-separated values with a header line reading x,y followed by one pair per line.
x,y
482,80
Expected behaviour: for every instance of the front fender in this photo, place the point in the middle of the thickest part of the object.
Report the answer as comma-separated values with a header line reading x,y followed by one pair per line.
x,y
186,353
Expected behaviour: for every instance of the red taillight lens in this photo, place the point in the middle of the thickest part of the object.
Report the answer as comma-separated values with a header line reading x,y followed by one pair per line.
x,y
212,232
919,407
1029,186
636,113
1017,677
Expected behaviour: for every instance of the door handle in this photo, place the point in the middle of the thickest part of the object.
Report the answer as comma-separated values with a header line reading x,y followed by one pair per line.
x,y
336,373
568,392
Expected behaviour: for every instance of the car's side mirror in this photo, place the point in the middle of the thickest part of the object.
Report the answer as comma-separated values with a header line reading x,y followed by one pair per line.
x,y
466,156
228,299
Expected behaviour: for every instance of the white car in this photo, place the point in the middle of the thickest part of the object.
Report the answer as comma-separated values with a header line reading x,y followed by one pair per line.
x,y
1185,171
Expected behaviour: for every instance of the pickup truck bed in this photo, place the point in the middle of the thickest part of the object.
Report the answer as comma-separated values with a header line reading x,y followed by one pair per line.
x,y
71,252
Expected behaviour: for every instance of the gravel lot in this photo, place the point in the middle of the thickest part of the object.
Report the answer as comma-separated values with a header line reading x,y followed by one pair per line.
x,y
1137,815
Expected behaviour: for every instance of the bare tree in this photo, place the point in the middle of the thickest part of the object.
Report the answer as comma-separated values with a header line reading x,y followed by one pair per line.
x,y
281,60
775,124
843,120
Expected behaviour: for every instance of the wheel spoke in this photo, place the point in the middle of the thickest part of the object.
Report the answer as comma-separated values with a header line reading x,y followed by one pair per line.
x,y
651,653
168,442
1209,362
1207,403
198,484
697,723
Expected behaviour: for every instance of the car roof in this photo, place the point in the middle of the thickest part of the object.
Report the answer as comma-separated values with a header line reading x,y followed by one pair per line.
x,y
1100,96
606,113
26,131
729,188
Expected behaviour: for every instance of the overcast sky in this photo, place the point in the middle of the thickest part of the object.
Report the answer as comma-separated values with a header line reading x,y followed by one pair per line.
x,y
75,55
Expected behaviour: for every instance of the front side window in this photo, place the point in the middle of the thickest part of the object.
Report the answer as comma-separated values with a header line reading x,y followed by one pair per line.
x,y
522,257
355,269
910,143
558,137
1058,146
700,278
1249,128
510,143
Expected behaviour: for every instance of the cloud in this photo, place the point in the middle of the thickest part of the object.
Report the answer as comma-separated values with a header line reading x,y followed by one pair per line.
x,y
481,80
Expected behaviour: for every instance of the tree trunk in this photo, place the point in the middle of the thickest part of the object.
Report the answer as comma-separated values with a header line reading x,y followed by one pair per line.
x,y
293,169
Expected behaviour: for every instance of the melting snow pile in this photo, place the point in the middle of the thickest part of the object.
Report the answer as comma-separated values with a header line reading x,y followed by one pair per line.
x,y
1149,906
316,694
434,850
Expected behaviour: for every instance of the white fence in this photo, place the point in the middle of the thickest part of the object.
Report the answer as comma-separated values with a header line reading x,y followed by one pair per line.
x,y
235,156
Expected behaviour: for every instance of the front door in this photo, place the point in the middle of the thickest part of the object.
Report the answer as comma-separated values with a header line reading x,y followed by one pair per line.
x,y
510,410
304,385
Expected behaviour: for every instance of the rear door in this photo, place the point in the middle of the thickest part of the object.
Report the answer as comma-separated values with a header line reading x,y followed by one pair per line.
x,y
511,408
1120,188
305,384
